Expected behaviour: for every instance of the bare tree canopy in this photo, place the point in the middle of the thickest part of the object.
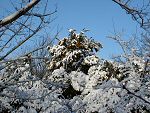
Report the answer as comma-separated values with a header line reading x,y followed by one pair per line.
x,y
26,23
18,14
140,12
138,9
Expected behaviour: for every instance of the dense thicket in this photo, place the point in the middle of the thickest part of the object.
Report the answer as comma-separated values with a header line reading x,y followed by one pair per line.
x,y
77,81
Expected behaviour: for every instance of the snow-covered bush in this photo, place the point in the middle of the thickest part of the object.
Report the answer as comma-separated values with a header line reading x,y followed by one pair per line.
x,y
77,81
73,52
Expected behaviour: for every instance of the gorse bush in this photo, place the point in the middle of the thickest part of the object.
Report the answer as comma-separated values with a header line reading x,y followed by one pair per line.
x,y
77,81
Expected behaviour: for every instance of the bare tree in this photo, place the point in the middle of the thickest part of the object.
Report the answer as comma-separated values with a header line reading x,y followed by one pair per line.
x,y
140,12
18,14
138,9
27,22
24,36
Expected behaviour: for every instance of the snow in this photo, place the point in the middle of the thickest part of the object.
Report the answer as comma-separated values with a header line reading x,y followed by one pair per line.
x,y
92,84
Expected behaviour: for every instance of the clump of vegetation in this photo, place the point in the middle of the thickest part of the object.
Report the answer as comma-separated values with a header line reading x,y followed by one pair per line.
x,y
77,81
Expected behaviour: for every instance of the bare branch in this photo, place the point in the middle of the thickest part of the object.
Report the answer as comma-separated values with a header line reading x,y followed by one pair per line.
x,y
139,13
18,14
137,96
22,42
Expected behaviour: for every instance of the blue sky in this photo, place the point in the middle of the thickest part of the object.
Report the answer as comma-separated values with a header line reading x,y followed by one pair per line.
x,y
100,16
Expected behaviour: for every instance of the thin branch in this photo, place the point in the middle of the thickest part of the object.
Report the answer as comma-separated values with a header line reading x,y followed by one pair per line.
x,y
16,15
129,92
42,47
40,15
16,33
22,42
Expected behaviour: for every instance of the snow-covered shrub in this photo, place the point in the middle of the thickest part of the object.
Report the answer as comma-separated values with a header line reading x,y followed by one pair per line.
x,y
77,81
72,50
